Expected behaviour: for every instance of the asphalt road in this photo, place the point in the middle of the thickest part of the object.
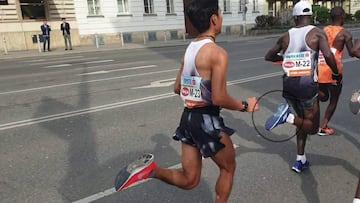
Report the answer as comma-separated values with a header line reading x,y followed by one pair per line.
x,y
69,123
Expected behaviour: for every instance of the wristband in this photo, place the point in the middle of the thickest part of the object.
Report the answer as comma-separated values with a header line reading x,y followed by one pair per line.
x,y
245,106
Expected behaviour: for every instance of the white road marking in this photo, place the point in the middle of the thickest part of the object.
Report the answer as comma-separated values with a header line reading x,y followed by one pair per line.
x,y
114,105
89,81
158,83
62,58
112,190
251,59
59,65
84,111
101,61
116,70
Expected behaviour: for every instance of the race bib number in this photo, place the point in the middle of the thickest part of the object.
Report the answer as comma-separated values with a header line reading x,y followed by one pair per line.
x,y
297,64
191,91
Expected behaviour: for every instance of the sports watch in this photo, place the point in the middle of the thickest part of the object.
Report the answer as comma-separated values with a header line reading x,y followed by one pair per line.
x,y
245,105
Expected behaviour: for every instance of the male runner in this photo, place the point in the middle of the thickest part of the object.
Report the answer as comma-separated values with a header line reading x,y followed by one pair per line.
x,y
201,83
338,37
299,49
355,109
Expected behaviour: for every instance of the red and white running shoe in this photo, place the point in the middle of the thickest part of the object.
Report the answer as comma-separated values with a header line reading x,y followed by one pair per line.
x,y
136,171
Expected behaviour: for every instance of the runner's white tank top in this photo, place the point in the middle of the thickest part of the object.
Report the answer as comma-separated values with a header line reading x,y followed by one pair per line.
x,y
297,44
195,91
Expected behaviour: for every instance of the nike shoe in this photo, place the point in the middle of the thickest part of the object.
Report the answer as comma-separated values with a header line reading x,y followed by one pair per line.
x,y
279,117
299,166
354,103
325,131
135,172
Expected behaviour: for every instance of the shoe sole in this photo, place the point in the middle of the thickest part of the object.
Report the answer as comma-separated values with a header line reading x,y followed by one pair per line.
x,y
298,170
282,113
323,134
135,169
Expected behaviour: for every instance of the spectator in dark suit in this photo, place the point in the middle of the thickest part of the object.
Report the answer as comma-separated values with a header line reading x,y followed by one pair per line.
x,y
45,28
65,28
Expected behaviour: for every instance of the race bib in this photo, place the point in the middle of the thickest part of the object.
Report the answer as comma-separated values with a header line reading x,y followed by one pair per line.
x,y
191,91
321,59
297,64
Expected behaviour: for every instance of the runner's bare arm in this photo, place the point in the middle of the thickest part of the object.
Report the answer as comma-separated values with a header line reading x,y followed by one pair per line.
x,y
220,97
356,48
349,42
272,54
325,49
177,84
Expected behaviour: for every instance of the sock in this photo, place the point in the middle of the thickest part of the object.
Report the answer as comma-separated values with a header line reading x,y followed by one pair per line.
x,y
356,200
291,118
301,158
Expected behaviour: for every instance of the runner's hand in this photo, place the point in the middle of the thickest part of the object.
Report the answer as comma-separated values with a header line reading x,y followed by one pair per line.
x,y
253,104
337,77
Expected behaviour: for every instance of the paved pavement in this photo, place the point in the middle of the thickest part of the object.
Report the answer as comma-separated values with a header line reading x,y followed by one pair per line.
x,y
118,46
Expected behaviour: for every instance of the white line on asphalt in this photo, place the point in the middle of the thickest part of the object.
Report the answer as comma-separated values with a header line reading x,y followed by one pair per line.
x,y
57,66
89,81
88,62
114,105
251,59
84,111
62,58
116,70
101,61
112,190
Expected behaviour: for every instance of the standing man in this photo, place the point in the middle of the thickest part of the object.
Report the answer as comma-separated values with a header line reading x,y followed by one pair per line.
x,y
65,28
45,29
299,50
338,37
201,83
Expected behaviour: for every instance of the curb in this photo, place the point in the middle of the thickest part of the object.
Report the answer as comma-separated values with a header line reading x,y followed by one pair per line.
x,y
130,46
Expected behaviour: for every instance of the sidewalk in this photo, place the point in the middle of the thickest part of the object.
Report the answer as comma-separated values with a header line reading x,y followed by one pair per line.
x,y
109,47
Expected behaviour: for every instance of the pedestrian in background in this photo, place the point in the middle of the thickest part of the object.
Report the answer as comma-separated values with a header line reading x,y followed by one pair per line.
x,y
45,29
65,28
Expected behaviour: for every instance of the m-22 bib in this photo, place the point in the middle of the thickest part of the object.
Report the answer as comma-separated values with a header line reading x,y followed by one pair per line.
x,y
297,64
191,91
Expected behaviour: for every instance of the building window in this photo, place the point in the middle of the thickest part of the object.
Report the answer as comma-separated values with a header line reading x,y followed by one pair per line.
x,y
255,5
32,9
94,7
170,6
226,6
149,6
123,6
4,2
242,5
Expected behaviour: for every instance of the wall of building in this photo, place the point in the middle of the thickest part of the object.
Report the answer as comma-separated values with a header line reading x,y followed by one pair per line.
x,y
110,26
17,32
